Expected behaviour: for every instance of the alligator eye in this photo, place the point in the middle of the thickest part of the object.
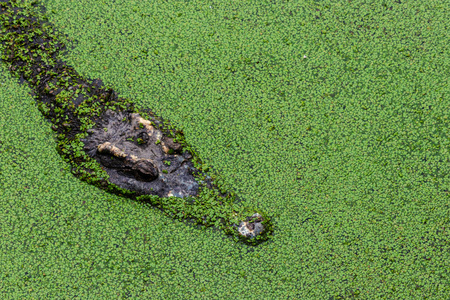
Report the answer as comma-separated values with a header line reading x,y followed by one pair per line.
x,y
142,138
145,170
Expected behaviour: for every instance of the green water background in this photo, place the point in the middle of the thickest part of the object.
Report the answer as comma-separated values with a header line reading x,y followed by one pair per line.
x,y
348,147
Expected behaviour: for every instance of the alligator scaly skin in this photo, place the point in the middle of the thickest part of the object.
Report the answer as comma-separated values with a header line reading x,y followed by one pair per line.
x,y
108,141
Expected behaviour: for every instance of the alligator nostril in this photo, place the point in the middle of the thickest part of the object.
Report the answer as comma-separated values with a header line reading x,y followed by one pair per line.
x,y
145,170
251,226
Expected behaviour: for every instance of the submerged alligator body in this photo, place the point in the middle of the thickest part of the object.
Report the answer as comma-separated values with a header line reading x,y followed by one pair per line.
x,y
112,144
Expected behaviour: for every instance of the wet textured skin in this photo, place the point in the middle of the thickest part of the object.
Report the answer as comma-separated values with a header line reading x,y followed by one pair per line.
x,y
137,156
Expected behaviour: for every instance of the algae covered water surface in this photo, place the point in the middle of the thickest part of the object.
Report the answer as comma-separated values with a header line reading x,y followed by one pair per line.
x,y
331,116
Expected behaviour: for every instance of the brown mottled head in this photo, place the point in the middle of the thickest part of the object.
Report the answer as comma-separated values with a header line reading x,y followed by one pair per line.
x,y
139,157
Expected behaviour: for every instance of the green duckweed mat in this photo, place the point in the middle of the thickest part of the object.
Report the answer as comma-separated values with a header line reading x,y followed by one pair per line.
x,y
333,116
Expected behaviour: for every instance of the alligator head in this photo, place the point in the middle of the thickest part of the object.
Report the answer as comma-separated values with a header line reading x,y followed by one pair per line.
x,y
139,157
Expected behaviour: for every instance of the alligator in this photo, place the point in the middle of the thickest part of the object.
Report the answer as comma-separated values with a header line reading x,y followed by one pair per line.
x,y
110,142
